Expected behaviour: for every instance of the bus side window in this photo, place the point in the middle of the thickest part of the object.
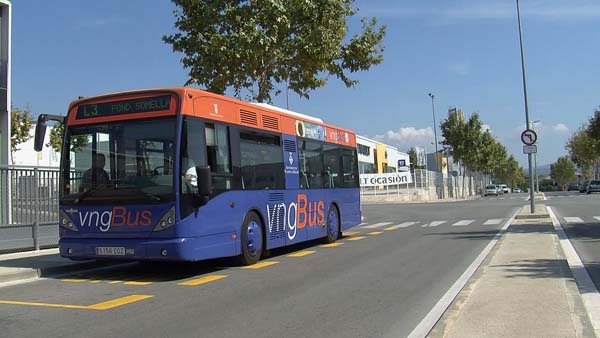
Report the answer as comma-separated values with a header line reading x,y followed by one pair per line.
x,y
261,161
218,156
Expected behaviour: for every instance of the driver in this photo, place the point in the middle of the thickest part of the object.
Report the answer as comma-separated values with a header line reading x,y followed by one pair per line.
x,y
95,176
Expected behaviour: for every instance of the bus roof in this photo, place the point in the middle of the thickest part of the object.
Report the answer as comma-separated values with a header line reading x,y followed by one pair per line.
x,y
217,107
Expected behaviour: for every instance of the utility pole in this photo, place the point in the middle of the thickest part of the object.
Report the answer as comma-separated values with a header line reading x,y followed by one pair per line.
x,y
527,123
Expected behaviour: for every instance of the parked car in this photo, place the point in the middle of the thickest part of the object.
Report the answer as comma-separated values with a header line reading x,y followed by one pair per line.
x,y
504,188
593,186
583,186
491,190
517,190
573,186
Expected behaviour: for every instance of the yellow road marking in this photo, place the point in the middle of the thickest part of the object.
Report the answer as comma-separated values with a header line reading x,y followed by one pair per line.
x,y
302,253
376,233
115,282
202,280
137,283
118,302
95,281
75,280
357,238
331,245
391,228
260,265
350,233
100,306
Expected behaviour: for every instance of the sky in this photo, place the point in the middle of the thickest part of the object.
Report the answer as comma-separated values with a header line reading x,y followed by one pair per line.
x,y
464,52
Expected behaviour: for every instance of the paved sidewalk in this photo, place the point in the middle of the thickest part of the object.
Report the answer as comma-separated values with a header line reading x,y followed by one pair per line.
x,y
524,289
34,264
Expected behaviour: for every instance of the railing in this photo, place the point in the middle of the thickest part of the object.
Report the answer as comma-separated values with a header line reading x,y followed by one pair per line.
x,y
28,208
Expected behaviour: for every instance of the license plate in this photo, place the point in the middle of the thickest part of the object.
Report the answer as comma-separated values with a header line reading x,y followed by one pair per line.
x,y
110,251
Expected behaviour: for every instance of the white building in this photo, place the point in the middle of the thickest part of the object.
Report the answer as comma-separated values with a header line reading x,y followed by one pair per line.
x,y
25,155
377,158
5,42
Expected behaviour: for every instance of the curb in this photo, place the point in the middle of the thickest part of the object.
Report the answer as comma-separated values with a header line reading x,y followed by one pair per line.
x,y
18,274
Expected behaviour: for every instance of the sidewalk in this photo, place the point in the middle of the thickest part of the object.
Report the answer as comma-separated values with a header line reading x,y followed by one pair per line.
x,y
43,263
523,289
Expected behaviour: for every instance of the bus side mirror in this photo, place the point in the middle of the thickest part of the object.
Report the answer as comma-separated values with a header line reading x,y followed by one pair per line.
x,y
40,129
40,133
204,184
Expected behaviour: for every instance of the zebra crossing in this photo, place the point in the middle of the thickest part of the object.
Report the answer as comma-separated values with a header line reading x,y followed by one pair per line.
x,y
389,225
581,219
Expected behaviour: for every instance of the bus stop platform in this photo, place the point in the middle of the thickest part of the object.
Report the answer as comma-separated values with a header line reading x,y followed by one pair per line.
x,y
34,264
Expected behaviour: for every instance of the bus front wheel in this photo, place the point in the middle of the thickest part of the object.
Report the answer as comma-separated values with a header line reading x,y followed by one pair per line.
x,y
251,239
332,224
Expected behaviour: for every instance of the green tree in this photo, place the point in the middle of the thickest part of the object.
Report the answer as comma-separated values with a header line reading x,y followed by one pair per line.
x,y
563,170
20,125
594,127
56,139
582,149
257,44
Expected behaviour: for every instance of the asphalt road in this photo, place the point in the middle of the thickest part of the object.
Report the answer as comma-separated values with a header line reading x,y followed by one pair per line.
x,y
380,282
579,214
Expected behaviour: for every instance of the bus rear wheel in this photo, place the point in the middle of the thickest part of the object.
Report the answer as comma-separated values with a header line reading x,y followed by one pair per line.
x,y
332,224
251,240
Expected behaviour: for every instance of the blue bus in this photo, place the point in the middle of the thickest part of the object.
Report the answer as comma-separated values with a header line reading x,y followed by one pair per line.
x,y
181,174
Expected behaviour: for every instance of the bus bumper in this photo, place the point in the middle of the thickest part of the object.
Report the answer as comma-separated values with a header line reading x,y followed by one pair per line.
x,y
178,249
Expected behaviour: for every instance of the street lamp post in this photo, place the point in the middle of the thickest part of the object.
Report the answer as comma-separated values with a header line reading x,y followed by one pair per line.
x,y
529,157
537,177
435,132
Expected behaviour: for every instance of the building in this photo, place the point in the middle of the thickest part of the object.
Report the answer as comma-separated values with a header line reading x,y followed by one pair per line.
x,y
377,158
5,42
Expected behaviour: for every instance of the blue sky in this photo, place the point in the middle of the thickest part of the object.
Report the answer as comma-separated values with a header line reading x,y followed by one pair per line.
x,y
466,52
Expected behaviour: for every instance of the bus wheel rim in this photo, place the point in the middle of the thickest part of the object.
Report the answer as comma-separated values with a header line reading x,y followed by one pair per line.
x,y
254,238
333,223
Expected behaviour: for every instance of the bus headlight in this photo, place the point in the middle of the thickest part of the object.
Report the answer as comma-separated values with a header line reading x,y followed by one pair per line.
x,y
66,222
167,221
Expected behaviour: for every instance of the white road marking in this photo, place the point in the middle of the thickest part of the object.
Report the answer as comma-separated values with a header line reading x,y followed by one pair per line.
x,y
401,225
434,223
573,220
463,223
597,218
493,221
377,225
587,289
427,323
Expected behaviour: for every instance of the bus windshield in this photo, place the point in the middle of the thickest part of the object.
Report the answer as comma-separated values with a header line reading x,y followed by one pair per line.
x,y
125,162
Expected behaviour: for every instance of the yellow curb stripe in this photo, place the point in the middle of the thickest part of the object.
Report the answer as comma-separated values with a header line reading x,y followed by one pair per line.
x,y
100,306
74,280
137,283
350,233
375,233
391,228
260,265
331,245
302,253
115,282
202,280
358,238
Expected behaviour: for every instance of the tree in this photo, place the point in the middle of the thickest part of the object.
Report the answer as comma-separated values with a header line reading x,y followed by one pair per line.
x,y
563,170
20,125
582,149
56,139
257,44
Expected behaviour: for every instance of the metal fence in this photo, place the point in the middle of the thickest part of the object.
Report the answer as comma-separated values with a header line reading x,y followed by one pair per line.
x,y
428,185
28,208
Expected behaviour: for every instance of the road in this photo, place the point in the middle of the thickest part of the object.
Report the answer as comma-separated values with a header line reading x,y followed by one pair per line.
x,y
579,214
382,279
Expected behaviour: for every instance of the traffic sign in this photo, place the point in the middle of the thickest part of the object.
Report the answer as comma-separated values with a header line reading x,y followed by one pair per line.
x,y
528,137
530,149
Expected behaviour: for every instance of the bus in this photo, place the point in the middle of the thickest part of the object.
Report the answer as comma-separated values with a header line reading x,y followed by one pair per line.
x,y
181,174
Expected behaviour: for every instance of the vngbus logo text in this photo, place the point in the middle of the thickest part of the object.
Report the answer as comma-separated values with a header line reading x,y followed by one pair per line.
x,y
118,216
295,215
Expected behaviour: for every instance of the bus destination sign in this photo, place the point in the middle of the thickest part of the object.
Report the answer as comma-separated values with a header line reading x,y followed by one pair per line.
x,y
143,105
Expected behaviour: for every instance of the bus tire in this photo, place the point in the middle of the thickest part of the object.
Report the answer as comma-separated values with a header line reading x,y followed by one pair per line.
x,y
332,224
251,239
